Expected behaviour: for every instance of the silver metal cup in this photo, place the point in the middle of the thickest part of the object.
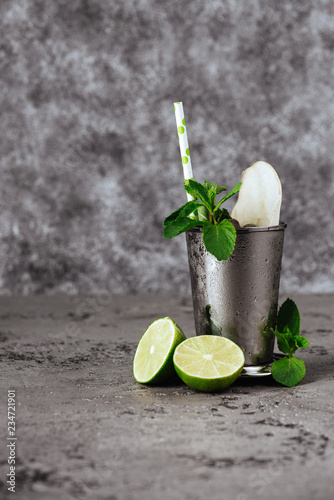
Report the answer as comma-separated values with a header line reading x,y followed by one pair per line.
x,y
237,298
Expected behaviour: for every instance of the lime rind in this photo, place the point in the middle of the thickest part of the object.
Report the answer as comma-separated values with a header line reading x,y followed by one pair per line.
x,y
153,359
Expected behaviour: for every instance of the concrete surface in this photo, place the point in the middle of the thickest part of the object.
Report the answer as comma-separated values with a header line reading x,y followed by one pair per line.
x,y
89,156
87,430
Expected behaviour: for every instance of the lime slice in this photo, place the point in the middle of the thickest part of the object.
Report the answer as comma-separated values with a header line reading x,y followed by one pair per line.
x,y
208,363
153,360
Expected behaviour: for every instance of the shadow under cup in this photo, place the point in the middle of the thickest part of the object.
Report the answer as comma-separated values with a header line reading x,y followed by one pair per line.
x,y
238,298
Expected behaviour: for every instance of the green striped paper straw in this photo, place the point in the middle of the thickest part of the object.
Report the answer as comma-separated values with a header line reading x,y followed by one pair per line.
x,y
183,140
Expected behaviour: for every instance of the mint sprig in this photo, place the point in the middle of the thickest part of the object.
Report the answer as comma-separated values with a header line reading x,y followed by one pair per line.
x,y
289,370
219,234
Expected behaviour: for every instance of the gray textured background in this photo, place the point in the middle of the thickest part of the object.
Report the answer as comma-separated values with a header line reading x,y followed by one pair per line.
x,y
90,164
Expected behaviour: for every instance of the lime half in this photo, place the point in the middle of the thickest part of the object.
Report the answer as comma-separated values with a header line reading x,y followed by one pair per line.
x,y
153,360
208,363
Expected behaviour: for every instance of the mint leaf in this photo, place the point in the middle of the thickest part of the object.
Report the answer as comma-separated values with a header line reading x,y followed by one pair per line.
x,y
183,211
179,226
198,192
288,315
211,192
302,342
234,191
286,341
213,189
288,371
216,187
219,239
221,214
202,213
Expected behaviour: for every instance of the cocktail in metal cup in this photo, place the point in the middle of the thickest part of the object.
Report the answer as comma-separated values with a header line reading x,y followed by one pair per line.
x,y
237,298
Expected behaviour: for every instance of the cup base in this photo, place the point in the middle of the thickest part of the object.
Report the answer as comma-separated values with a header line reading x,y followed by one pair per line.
x,y
260,370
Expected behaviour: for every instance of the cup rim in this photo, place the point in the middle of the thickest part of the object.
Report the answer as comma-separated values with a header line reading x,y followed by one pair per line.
x,y
258,229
